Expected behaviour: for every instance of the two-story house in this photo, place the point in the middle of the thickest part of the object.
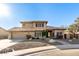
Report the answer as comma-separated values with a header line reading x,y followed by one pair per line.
x,y
35,28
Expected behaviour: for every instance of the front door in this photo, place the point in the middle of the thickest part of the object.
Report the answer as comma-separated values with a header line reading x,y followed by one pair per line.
x,y
65,36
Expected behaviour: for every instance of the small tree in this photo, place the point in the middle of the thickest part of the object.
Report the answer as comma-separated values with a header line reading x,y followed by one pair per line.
x,y
73,28
45,33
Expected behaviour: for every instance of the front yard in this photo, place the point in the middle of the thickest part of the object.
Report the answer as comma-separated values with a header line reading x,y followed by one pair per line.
x,y
28,44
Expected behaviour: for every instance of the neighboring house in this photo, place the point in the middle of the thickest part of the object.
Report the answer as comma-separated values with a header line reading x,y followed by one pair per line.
x,y
35,29
3,33
56,32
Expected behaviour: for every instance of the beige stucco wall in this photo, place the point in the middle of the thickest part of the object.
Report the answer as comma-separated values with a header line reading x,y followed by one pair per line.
x,y
59,31
3,34
30,25
55,32
27,25
45,24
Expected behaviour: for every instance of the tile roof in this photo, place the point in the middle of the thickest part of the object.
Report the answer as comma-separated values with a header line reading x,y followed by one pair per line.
x,y
35,29
24,29
52,27
3,29
34,21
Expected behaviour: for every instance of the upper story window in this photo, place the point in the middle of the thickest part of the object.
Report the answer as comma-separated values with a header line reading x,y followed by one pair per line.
x,y
39,25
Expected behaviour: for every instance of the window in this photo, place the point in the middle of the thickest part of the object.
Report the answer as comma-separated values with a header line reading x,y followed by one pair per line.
x,y
59,33
38,34
39,25
42,25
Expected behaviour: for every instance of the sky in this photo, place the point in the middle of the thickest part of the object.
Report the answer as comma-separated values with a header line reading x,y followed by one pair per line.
x,y
57,14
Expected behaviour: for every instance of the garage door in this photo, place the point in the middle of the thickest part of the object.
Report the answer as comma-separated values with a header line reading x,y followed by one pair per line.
x,y
18,35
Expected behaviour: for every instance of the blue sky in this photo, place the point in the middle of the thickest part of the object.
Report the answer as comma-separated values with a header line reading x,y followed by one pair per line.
x,y
57,14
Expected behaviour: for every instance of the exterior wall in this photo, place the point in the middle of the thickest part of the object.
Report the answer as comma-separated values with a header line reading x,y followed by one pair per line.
x,y
68,36
30,33
49,34
30,25
55,32
22,35
27,25
34,24
3,34
9,36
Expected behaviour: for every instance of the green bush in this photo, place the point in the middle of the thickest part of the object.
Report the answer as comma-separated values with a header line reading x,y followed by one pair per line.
x,y
28,36
45,33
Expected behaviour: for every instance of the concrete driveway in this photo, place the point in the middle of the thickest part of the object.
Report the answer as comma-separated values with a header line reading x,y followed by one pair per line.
x,y
4,43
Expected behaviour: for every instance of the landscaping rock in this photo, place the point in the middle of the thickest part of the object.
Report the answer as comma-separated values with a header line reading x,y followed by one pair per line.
x,y
51,41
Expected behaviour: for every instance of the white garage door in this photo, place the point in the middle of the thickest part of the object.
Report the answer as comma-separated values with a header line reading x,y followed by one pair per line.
x,y
18,35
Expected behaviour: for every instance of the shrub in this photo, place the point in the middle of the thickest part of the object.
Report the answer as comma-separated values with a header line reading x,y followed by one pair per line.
x,y
45,33
28,36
